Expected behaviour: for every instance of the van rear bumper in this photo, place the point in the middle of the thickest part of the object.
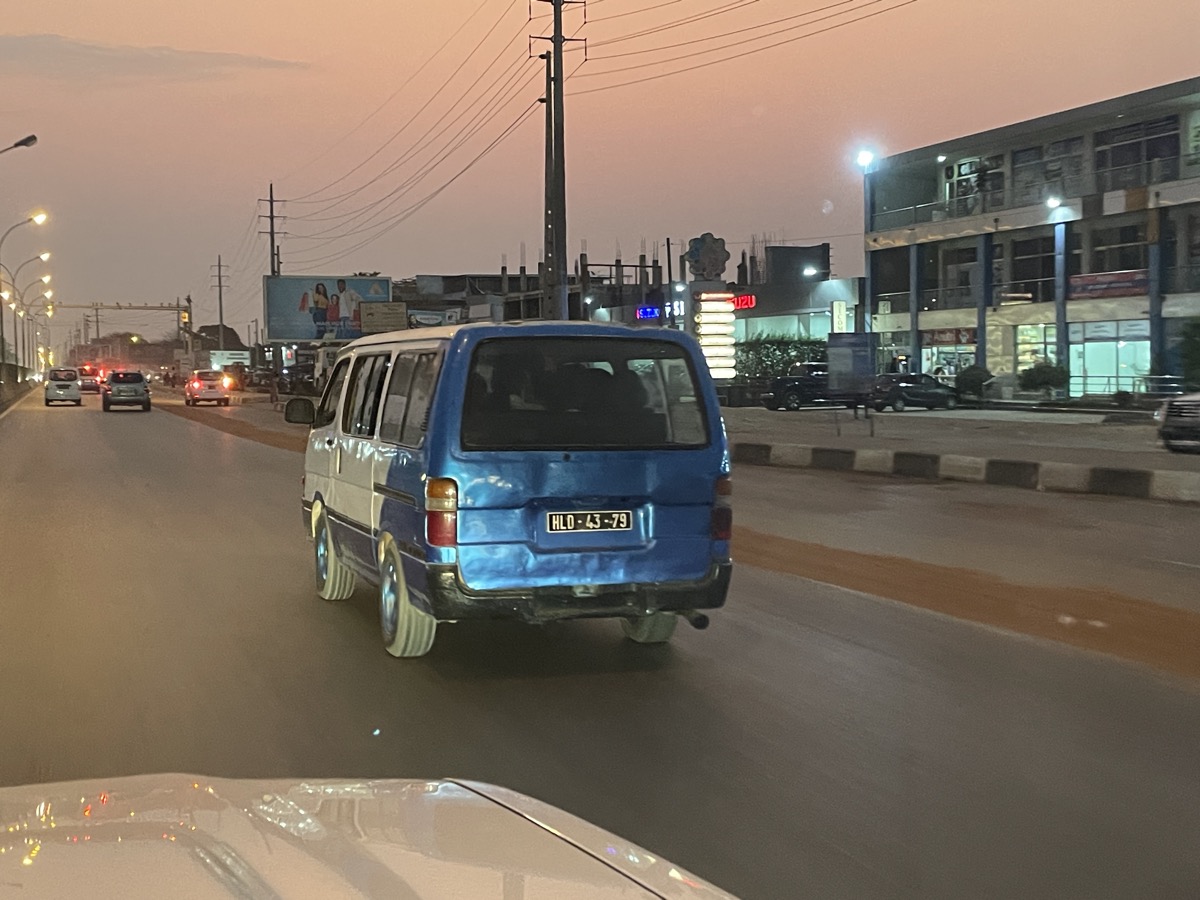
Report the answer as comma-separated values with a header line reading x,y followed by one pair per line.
x,y
449,598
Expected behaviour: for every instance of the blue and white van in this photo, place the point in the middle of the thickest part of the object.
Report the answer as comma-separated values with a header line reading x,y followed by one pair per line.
x,y
538,472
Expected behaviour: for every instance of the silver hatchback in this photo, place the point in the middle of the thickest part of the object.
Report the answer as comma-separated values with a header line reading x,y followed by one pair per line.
x,y
123,388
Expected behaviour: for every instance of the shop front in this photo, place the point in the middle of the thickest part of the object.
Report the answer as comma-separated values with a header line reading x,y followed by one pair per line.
x,y
947,351
1107,357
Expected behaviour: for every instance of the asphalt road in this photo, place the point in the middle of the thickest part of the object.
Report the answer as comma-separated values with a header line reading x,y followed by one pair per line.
x,y
157,614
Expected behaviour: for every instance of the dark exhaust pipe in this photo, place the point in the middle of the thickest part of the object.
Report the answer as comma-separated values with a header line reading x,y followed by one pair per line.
x,y
697,620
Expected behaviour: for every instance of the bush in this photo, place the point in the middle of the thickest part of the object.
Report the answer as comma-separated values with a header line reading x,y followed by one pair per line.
x,y
972,381
1044,377
1123,399
767,356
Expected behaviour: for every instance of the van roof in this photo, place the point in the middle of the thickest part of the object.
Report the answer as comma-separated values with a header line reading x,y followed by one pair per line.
x,y
446,332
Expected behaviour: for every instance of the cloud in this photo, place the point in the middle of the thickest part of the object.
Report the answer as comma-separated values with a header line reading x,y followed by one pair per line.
x,y
66,59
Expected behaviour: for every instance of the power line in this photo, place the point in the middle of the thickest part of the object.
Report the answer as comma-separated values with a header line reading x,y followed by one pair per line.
x,y
716,37
743,54
678,23
455,144
392,96
740,43
413,118
421,144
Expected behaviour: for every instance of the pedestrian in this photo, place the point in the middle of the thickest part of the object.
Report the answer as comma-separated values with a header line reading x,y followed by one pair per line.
x,y
273,384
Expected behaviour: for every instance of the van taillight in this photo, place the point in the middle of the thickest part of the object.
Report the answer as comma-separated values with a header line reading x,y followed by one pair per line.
x,y
441,512
722,512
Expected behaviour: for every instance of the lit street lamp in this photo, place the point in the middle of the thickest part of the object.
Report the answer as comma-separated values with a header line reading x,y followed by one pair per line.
x,y
36,219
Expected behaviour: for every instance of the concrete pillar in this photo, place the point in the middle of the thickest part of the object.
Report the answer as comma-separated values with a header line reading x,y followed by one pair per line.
x,y
914,307
862,312
984,288
1062,284
1157,264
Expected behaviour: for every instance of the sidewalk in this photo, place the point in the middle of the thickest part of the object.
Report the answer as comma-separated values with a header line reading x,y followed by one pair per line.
x,y
1069,452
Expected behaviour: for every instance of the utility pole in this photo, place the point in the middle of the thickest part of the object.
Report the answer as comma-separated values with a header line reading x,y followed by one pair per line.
x,y
189,331
272,231
560,170
550,272
556,201
220,276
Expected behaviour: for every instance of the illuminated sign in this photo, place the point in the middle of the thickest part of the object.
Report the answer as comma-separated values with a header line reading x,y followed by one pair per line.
x,y
745,301
714,320
648,312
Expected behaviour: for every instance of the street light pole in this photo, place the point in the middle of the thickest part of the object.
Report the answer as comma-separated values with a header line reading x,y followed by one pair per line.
x,y
28,141
35,219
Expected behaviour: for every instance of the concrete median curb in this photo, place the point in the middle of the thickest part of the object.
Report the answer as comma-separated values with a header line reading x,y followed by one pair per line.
x,y
1072,478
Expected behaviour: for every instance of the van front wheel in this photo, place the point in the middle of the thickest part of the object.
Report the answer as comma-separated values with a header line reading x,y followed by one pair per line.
x,y
655,628
407,630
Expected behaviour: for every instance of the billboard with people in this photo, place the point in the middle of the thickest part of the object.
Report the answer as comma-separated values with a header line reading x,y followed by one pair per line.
x,y
319,307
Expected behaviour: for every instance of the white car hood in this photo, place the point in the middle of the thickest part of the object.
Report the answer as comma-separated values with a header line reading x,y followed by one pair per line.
x,y
184,836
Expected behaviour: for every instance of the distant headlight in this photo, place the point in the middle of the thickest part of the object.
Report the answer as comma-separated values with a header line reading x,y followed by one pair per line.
x,y
1160,414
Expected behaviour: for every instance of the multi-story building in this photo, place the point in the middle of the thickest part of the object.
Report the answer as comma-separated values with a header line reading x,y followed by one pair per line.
x,y
1072,239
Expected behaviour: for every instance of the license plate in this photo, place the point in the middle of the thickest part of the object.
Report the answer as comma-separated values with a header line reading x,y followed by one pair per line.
x,y
601,520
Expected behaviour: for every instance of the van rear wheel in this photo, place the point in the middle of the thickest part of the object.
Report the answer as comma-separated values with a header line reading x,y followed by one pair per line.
x,y
407,630
334,580
655,628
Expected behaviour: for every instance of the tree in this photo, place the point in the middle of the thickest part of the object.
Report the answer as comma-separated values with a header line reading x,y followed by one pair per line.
x,y
1044,377
972,381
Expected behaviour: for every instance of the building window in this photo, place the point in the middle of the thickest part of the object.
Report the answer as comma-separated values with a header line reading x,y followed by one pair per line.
x,y
975,186
1036,344
1039,172
1119,249
1032,270
1137,155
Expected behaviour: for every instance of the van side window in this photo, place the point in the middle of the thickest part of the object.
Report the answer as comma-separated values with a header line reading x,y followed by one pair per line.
x,y
358,412
327,411
364,422
396,401
424,376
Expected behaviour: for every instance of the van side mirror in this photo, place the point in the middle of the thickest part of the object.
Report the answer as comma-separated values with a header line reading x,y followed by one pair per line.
x,y
300,411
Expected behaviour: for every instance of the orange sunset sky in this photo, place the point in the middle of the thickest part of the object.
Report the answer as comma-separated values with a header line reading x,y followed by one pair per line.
x,y
160,124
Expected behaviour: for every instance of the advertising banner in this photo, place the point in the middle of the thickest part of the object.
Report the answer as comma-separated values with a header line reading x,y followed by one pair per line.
x,y
319,307
1131,283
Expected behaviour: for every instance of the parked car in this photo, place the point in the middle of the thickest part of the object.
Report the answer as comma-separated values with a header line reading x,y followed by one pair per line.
x,y
1179,424
900,391
534,472
207,386
125,388
62,386
806,384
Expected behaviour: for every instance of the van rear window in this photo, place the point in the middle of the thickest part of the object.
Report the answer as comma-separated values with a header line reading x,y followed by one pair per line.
x,y
63,375
582,394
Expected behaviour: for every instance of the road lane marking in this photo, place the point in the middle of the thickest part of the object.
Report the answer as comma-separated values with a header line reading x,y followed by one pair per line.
x,y
1174,562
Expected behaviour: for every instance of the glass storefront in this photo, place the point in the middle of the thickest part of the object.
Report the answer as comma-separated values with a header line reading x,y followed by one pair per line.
x,y
1036,344
1107,357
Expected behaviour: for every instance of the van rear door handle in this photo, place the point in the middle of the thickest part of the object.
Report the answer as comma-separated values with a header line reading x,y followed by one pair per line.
x,y
329,442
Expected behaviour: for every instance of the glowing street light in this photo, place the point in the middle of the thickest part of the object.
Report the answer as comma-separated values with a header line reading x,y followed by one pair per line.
x,y
865,158
36,219
1054,202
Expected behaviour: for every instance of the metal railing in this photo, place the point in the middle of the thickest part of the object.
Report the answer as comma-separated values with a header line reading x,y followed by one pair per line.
x,y
1096,181
1144,385
957,297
